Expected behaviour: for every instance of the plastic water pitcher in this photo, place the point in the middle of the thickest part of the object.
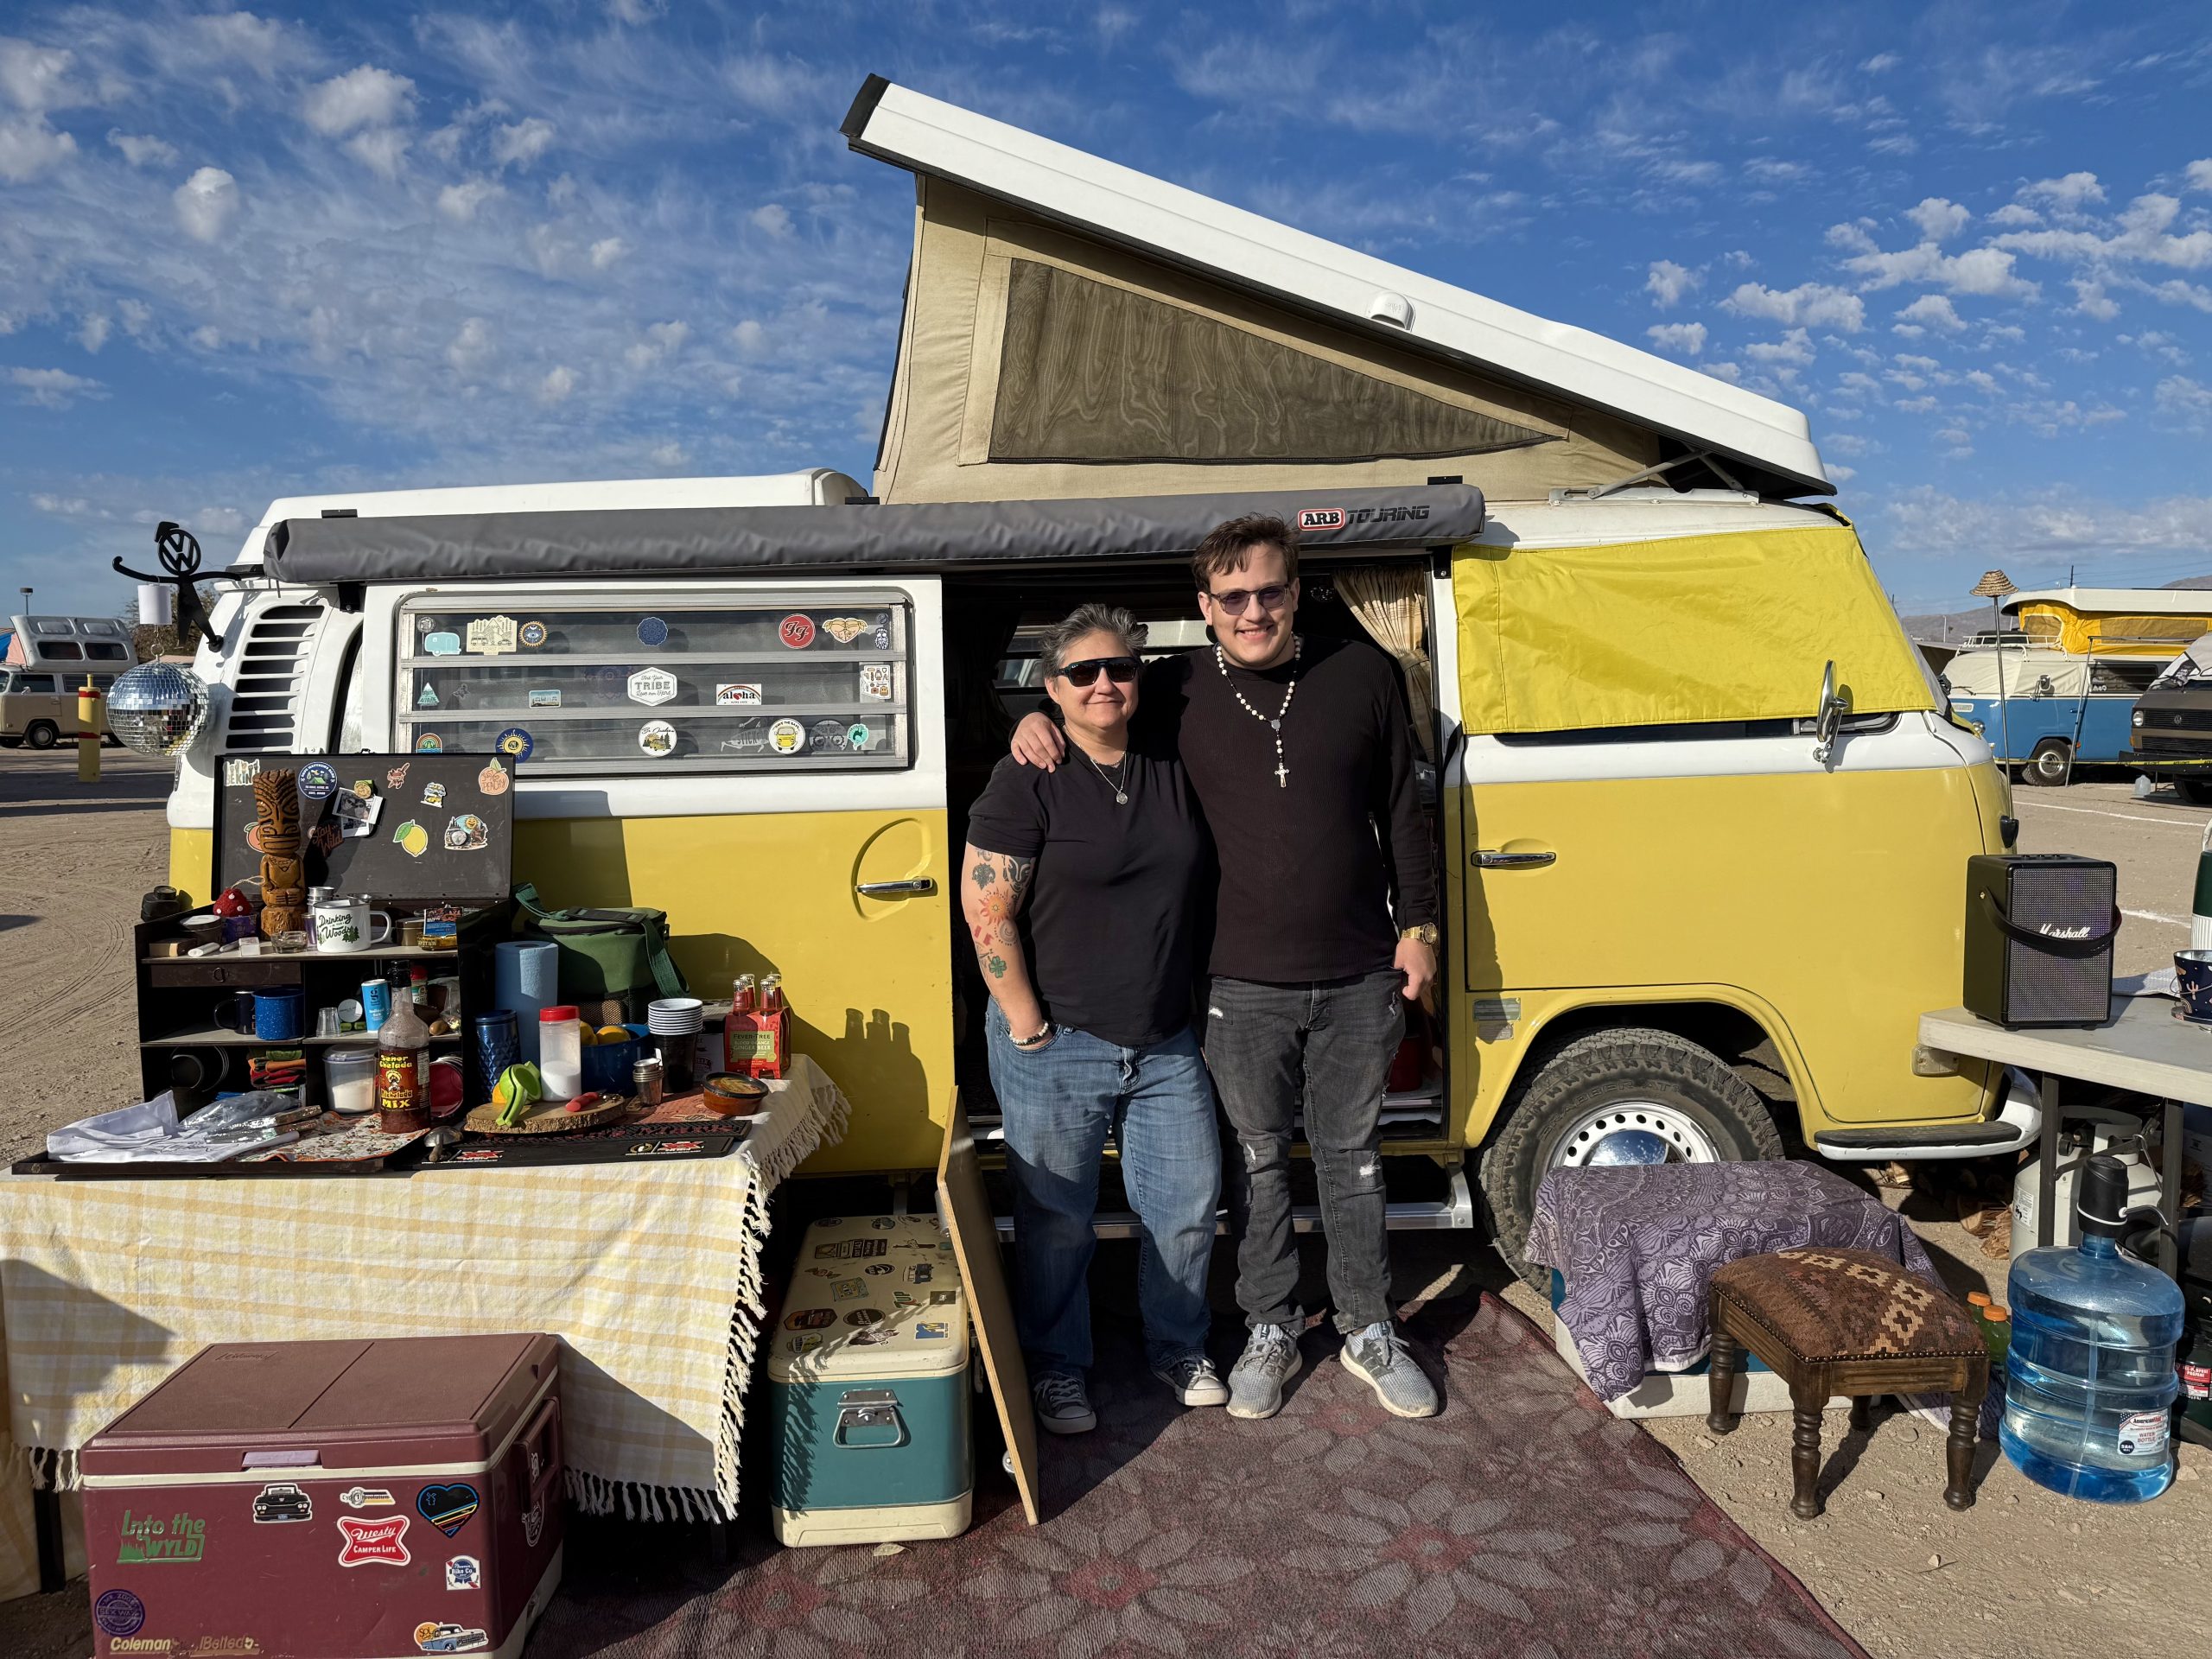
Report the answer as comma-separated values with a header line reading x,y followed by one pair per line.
x,y
2089,1376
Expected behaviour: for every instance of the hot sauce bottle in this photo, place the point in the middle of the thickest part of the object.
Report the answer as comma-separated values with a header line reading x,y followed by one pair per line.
x,y
404,1072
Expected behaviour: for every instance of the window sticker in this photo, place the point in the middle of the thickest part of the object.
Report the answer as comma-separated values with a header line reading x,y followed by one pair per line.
x,y
651,630
795,630
875,682
516,741
657,738
428,697
845,629
787,737
547,697
857,737
442,645
737,696
492,635
531,634
429,743
652,686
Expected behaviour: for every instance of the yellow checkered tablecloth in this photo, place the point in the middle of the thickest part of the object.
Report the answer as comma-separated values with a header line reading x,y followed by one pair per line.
x,y
649,1273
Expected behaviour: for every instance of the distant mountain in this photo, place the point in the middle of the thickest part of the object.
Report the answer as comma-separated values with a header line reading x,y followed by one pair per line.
x,y
1956,627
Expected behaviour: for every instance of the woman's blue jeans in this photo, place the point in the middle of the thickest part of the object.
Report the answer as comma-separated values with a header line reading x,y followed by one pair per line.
x,y
1059,1105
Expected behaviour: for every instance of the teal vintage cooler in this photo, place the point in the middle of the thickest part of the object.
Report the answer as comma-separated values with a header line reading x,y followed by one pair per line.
x,y
868,1378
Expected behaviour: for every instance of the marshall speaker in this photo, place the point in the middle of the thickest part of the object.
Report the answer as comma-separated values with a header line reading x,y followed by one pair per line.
x,y
2039,939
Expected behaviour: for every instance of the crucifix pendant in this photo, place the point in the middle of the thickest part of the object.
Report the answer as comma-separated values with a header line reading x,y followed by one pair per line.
x,y
1282,776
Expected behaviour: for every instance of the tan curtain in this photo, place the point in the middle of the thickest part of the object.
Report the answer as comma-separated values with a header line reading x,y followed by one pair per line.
x,y
1387,600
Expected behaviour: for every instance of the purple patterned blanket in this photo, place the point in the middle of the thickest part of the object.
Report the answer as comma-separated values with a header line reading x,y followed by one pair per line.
x,y
1638,1247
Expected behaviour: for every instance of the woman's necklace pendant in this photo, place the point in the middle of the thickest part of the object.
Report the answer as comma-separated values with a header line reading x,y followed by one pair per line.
x,y
1120,800
1274,725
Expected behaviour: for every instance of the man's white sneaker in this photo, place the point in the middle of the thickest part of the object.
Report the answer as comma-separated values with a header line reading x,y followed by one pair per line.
x,y
1269,1360
1377,1354
1192,1380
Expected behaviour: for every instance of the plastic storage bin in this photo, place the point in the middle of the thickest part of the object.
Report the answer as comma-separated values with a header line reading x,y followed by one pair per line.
x,y
868,1376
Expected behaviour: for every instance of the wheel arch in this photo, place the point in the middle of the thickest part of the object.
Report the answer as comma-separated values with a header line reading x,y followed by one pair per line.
x,y
1730,1021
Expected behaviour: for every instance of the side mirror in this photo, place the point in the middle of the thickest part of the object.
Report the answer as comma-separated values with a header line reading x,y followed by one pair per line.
x,y
1835,703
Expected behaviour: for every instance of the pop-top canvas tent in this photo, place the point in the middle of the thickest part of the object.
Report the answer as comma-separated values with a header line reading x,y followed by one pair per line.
x,y
1076,328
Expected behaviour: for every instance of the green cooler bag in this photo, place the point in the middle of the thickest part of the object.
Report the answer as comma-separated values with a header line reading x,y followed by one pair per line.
x,y
611,952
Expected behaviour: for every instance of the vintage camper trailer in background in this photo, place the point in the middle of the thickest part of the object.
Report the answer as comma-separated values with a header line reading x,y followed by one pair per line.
x,y
48,659
2058,690
1674,729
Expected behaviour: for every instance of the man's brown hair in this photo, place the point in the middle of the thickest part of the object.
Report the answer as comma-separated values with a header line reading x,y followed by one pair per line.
x,y
1227,546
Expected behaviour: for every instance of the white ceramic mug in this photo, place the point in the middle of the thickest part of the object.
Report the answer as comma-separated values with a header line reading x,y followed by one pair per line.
x,y
342,924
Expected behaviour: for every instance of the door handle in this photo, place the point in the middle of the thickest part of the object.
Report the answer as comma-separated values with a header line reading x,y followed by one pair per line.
x,y
1512,860
919,887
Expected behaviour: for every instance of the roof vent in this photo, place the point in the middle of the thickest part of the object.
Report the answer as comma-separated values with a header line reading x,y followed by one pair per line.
x,y
1394,309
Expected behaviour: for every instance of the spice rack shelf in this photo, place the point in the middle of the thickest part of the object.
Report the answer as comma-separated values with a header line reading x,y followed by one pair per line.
x,y
223,1037
321,958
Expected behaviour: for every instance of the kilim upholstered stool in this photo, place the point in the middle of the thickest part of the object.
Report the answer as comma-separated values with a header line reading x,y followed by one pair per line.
x,y
1848,1322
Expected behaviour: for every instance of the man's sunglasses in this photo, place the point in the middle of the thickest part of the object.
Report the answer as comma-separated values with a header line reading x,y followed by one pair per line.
x,y
1120,669
1234,601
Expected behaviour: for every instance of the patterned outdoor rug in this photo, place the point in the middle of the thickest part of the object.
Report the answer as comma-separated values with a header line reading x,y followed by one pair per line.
x,y
1523,1521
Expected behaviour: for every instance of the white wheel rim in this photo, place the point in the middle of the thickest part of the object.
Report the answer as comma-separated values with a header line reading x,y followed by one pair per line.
x,y
1687,1142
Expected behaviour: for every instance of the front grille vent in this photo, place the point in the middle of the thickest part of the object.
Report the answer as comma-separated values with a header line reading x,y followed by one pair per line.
x,y
266,702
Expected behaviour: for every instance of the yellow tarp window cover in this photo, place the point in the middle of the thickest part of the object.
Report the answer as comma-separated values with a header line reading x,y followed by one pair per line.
x,y
1734,626
2067,629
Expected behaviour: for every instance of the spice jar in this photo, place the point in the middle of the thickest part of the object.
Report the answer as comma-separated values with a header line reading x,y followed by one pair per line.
x,y
645,1080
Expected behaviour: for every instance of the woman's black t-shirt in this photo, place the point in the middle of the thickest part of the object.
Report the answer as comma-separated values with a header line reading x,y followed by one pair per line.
x,y
1110,926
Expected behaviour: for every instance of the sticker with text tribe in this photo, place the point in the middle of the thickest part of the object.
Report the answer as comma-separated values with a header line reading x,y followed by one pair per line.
x,y
373,1543
651,686
744,694
795,630
464,1572
448,1507
318,781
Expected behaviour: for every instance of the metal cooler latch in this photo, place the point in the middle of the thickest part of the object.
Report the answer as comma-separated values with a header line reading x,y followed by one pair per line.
x,y
868,1421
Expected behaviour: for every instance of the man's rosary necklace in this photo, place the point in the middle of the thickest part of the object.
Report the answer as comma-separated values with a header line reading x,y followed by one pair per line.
x,y
1297,647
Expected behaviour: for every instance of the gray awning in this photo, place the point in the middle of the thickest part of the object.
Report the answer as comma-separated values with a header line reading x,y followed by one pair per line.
x,y
921,537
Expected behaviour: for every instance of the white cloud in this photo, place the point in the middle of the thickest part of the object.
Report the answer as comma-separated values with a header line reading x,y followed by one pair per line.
x,y
1881,63
2012,215
669,455
1978,271
749,336
52,388
636,13
662,340
1732,372
1939,219
773,219
560,380
36,78
1687,338
2090,300
206,203
92,333
2174,291
1813,304
458,202
1924,520
1838,473
2199,174
366,96
472,348
2142,233
28,146
2070,194
2186,400
380,149
607,251
141,151
1667,282
1934,311
523,143
1793,347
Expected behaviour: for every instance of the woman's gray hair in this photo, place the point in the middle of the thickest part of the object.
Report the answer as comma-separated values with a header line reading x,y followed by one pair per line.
x,y
1089,618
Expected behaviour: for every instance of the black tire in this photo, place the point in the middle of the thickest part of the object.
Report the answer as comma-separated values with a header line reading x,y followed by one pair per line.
x,y
2049,763
2194,792
1627,1063
39,735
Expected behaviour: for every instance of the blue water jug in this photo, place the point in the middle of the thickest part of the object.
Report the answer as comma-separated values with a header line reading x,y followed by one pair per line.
x,y
2089,1381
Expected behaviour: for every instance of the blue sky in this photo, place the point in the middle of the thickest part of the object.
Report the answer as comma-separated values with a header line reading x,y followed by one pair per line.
x,y
249,254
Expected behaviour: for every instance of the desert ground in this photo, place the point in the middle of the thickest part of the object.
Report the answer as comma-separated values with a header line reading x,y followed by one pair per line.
x,y
2024,1572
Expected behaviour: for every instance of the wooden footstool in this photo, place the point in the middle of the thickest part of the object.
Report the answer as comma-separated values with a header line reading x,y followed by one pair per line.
x,y
1849,1322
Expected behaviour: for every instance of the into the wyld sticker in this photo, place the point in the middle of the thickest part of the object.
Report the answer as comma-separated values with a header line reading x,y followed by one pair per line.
x,y
147,1538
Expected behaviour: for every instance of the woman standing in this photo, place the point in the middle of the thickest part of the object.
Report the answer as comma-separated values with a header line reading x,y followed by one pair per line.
x,y
1080,889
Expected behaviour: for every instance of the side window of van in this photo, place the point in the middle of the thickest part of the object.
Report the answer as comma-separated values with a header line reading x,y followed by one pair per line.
x,y
106,651
61,650
692,683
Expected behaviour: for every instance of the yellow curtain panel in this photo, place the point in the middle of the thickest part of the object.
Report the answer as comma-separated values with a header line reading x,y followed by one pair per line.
x,y
2111,636
1734,626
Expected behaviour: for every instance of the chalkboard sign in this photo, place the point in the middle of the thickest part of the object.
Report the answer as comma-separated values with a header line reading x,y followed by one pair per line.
x,y
427,827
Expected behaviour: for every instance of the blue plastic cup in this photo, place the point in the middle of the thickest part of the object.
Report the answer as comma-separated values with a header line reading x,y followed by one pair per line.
x,y
498,1046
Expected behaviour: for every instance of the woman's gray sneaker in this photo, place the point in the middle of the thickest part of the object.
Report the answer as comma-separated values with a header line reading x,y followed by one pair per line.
x,y
1062,1406
1269,1360
1192,1380
1377,1355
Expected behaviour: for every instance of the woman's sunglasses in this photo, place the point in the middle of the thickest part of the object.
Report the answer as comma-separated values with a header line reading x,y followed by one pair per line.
x,y
1120,669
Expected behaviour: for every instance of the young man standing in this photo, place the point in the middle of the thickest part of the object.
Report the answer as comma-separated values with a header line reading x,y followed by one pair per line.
x,y
1302,761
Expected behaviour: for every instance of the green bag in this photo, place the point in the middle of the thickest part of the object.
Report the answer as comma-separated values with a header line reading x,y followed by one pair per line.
x,y
606,952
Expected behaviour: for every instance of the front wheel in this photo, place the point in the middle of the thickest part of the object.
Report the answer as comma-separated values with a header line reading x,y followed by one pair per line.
x,y
2195,792
2049,764
41,733
1634,1094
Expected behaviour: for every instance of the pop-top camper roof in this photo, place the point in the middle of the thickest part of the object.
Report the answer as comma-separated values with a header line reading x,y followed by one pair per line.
x,y
1074,327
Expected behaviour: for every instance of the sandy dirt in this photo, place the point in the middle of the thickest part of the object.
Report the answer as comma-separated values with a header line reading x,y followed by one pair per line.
x,y
2024,1572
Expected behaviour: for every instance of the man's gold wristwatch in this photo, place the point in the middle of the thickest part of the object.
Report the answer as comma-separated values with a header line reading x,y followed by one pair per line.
x,y
1425,933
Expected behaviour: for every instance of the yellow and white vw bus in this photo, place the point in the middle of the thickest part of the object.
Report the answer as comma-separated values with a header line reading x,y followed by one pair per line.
x,y
1702,819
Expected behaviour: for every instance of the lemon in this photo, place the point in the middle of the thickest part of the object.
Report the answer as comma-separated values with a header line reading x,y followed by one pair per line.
x,y
613,1035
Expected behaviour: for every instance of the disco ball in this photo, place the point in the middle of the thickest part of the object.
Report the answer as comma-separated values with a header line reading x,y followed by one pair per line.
x,y
157,708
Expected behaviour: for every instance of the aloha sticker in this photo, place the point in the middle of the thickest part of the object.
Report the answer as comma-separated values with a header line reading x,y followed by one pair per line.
x,y
318,781
532,634
657,738
651,686
787,737
373,1543
442,645
737,696
515,742
795,630
447,1508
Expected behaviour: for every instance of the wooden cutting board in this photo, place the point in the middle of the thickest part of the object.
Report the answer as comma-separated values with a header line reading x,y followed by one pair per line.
x,y
548,1117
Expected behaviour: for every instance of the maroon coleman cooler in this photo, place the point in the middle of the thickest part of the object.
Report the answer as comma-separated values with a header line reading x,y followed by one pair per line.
x,y
330,1500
